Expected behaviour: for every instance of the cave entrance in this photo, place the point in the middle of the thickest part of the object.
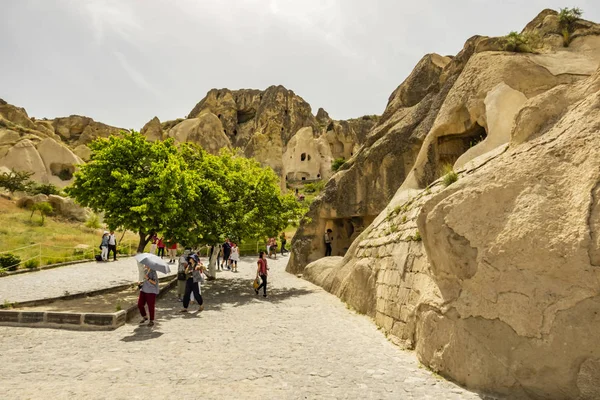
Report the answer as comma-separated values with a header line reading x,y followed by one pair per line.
x,y
451,147
245,115
345,231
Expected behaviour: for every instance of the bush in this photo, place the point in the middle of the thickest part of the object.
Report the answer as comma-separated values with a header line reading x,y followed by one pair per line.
x,y
16,181
46,189
33,263
450,176
314,187
2,271
93,221
521,43
9,261
337,164
44,208
566,17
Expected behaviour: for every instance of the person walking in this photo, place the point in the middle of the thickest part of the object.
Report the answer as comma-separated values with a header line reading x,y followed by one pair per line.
x,y
261,272
153,241
328,238
226,254
181,275
112,245
104,246
194,277
283,242
234,257
148,291
161,247
172,252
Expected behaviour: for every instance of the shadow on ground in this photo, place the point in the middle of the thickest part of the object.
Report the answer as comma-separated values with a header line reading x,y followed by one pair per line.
x,y
216,294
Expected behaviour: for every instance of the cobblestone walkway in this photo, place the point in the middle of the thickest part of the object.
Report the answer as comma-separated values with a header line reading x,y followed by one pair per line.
x,y
75,278
299,343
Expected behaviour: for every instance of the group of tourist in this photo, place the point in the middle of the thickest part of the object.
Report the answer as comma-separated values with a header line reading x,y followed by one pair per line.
x,y
159,243
190,277
108,244
228,257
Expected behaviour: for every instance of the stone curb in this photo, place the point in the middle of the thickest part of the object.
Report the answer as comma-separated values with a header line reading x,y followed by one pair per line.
x,y
51,266
71,320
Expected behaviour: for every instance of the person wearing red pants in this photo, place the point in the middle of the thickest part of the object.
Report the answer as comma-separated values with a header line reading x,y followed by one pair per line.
x,y
148,292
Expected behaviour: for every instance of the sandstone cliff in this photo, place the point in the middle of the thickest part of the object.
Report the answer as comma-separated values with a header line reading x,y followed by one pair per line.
x,y
50,149
275,126
492,279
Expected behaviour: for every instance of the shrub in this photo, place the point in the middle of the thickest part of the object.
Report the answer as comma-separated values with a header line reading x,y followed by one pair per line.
x,y
46,189
16,181
518,43
566,17
337,164
9,261
450,176
314,187
33,263
93,221
2,271
44,208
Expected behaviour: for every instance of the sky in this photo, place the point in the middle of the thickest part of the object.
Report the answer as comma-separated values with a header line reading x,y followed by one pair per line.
x,y
123,62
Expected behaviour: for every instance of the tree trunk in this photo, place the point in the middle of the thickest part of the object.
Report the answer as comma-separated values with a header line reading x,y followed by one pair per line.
x,y
143,242
212,261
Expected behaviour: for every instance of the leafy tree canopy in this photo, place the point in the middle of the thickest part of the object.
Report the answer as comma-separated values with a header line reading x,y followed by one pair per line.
x,y
16,181
187,194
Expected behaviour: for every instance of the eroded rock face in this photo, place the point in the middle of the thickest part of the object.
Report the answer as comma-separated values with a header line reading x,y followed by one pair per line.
x,y
153,130
206,130
493,280
77,130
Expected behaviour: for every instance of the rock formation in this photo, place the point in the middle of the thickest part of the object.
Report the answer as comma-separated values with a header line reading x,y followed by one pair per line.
x,y
275,126
492,279
50,149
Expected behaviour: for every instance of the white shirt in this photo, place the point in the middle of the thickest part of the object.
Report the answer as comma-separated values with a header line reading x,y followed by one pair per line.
x,y
112,240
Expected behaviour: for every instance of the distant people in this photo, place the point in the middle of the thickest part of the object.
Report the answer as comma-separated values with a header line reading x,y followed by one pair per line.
x,y
219,251
161,247
273,248
226,253
194,278
283,242
112,245
262,272
181,274
153,242
104,246
148,291
172,252
234,257
328,238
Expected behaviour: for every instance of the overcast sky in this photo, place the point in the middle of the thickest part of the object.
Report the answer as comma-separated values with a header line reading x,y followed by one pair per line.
x,y
124,61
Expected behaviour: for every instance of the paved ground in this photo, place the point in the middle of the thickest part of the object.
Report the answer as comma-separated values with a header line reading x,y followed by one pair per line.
x,y
299,343
75,278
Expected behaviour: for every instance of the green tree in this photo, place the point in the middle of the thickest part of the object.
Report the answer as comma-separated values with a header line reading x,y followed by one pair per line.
x,y
337,164
137,184
16,181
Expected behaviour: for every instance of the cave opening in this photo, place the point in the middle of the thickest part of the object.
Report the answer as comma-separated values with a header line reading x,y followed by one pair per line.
x,y
245,115
308,157
235,132
451,147
303,157
219,116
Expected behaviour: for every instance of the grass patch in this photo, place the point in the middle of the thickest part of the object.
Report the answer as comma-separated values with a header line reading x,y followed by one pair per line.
x,y
56,238
450,176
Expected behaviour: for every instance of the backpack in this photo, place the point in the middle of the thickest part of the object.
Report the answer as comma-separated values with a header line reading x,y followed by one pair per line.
x,y
98,257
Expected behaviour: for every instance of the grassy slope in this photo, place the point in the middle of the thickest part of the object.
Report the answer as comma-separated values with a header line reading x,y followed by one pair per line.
x,y
57,237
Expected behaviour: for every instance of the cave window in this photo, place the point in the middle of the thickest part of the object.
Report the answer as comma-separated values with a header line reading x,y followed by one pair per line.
x,y
319,176
351,153
219,116
282,129
309,157
225,130
302,156
285,112
235,132
245,115
330,126
303,178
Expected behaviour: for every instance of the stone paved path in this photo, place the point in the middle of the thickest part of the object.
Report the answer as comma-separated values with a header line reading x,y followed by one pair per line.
x,y
75,278
299,343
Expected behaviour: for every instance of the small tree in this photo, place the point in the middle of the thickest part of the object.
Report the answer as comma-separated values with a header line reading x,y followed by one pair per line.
x,y
566,17
46,189
16,181
44,209
337,163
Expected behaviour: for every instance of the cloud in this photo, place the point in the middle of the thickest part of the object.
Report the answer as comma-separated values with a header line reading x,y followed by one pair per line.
x,y
136,76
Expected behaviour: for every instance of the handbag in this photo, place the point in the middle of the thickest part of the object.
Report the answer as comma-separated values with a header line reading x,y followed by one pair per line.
x,y
181,276
255,284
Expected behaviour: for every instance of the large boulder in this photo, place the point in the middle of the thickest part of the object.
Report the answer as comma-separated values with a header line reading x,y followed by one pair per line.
x,y
67,208
153,130
60,162
206,131
77,129
24,156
